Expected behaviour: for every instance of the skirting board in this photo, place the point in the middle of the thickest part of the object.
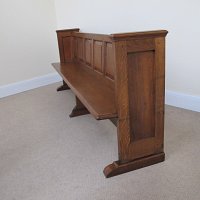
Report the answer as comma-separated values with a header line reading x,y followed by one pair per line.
x,y
181,100
33,83
172,98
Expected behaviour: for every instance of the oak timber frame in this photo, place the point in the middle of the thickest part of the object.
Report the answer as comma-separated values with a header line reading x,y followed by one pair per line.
x,y
132,65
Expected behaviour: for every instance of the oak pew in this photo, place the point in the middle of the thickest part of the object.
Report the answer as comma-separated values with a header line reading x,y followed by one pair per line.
x,y
120,77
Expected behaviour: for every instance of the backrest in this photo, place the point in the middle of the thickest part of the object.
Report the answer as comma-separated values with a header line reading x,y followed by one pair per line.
x,y
94,51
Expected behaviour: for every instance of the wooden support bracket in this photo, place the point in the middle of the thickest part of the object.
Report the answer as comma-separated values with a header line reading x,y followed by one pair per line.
x,y
79,109
63,87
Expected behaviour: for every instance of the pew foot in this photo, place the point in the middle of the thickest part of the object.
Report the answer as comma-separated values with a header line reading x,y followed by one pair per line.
x,y
63,87
78,112
117,168
79,109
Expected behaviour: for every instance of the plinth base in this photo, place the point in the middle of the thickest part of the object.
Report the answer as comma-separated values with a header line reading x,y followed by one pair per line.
x,y
117,168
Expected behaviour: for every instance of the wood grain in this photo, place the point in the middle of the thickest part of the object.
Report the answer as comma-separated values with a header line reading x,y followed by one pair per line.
x,y
98,56
120,77
94,92
141,81
109,60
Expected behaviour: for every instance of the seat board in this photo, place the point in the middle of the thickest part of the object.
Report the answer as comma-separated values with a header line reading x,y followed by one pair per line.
x,y
96,92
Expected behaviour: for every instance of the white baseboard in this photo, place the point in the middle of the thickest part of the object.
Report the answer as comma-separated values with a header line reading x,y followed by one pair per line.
x,y
33,83
171,98
181,100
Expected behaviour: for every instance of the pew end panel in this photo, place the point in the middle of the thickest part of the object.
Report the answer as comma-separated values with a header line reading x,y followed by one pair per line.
x,y
66,49
66,44
140,86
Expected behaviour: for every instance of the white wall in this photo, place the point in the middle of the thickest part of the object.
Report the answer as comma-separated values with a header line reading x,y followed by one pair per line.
x,y
179,17
28,41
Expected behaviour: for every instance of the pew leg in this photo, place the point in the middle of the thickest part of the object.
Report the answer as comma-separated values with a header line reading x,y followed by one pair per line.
x,y
118,167
79,109
63,87
134,153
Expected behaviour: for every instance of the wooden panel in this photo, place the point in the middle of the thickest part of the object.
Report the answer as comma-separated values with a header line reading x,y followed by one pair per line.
x,y
67,46
109,61
80,48
140,45
98,53
141,81
88,52
75,41
93,90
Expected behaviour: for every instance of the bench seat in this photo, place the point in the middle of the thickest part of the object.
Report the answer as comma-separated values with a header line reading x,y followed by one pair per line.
x,y
96,93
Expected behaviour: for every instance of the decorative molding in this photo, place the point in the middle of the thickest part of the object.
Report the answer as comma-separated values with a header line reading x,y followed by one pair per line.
x,y
182,100
18,87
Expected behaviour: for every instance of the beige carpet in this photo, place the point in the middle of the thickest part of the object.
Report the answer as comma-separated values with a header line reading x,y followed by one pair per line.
x,y
45,155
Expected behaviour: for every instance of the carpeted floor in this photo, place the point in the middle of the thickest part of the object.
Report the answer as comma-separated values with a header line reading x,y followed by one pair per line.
x,y
45,155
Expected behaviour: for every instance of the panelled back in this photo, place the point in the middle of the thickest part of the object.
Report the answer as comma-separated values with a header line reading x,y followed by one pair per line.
x,y
96,52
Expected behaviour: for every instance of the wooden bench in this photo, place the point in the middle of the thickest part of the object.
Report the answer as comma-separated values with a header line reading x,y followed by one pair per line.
x,y
120,77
